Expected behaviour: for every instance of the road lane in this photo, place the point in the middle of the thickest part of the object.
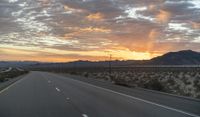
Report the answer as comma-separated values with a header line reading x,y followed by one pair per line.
x,y
33,97
116,104
193,106
42,94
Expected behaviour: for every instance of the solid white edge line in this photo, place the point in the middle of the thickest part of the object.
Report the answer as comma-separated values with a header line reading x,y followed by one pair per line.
x,y
146,101
11,85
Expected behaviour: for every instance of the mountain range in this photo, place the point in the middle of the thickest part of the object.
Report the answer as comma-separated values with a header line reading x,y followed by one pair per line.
x,y
184,57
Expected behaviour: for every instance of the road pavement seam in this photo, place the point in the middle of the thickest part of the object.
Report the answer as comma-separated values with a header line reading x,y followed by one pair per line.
x,y
135,98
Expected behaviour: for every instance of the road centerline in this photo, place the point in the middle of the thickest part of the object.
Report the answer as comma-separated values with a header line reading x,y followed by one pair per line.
x,y
58,89
84,115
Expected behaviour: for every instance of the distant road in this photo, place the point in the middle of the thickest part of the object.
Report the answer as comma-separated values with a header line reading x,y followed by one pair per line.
x,y
41,94
7,70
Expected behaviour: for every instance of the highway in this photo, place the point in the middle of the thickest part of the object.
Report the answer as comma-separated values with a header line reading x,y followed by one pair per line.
x,y
7,70
41,94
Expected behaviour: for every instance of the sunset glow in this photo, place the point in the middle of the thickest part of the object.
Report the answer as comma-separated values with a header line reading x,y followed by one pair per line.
x,y
68,30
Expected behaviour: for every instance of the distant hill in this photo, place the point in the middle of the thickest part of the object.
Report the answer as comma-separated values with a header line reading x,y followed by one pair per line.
x,y
16,63
185,57
86,64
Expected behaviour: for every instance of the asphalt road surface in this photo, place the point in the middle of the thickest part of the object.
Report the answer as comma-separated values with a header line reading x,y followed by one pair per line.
x,y
41,94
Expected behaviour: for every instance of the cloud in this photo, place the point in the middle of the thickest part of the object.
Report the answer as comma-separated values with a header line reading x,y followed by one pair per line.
x,y
163,16
141,26
95,16
98,30
196,25
72,10
153,36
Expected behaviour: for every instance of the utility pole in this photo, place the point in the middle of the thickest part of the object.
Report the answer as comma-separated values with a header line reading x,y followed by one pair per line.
x,y
110,66
109,70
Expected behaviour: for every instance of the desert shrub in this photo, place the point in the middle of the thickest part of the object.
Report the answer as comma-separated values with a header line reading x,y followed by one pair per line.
x,y
74,73
198,96
197,85
171,81
85,74
2,79
154,84
11,74
187,94
121,83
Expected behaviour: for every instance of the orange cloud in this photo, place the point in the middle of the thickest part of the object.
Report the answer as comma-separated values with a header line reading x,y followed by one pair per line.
x,y
81,31
95,17
153,35
163,16
44,2
196,25
130,55
16,51
10,54
152,7
94,29
57,56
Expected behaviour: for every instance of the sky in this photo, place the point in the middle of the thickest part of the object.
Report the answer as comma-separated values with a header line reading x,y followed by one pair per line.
x,y
69,30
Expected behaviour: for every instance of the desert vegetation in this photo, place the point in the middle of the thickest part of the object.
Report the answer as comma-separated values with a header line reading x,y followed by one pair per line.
x,y
9,73
184,81
179,81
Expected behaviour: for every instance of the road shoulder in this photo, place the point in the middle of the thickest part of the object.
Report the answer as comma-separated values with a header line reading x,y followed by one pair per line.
x,y
6,84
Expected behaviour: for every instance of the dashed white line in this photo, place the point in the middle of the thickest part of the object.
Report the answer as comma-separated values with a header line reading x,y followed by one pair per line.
x,y
58,89
84,115
68,98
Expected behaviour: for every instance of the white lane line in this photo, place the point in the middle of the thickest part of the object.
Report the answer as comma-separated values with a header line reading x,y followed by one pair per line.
x,y
68,98
139,99
58,89
49,81
8,87
84,115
